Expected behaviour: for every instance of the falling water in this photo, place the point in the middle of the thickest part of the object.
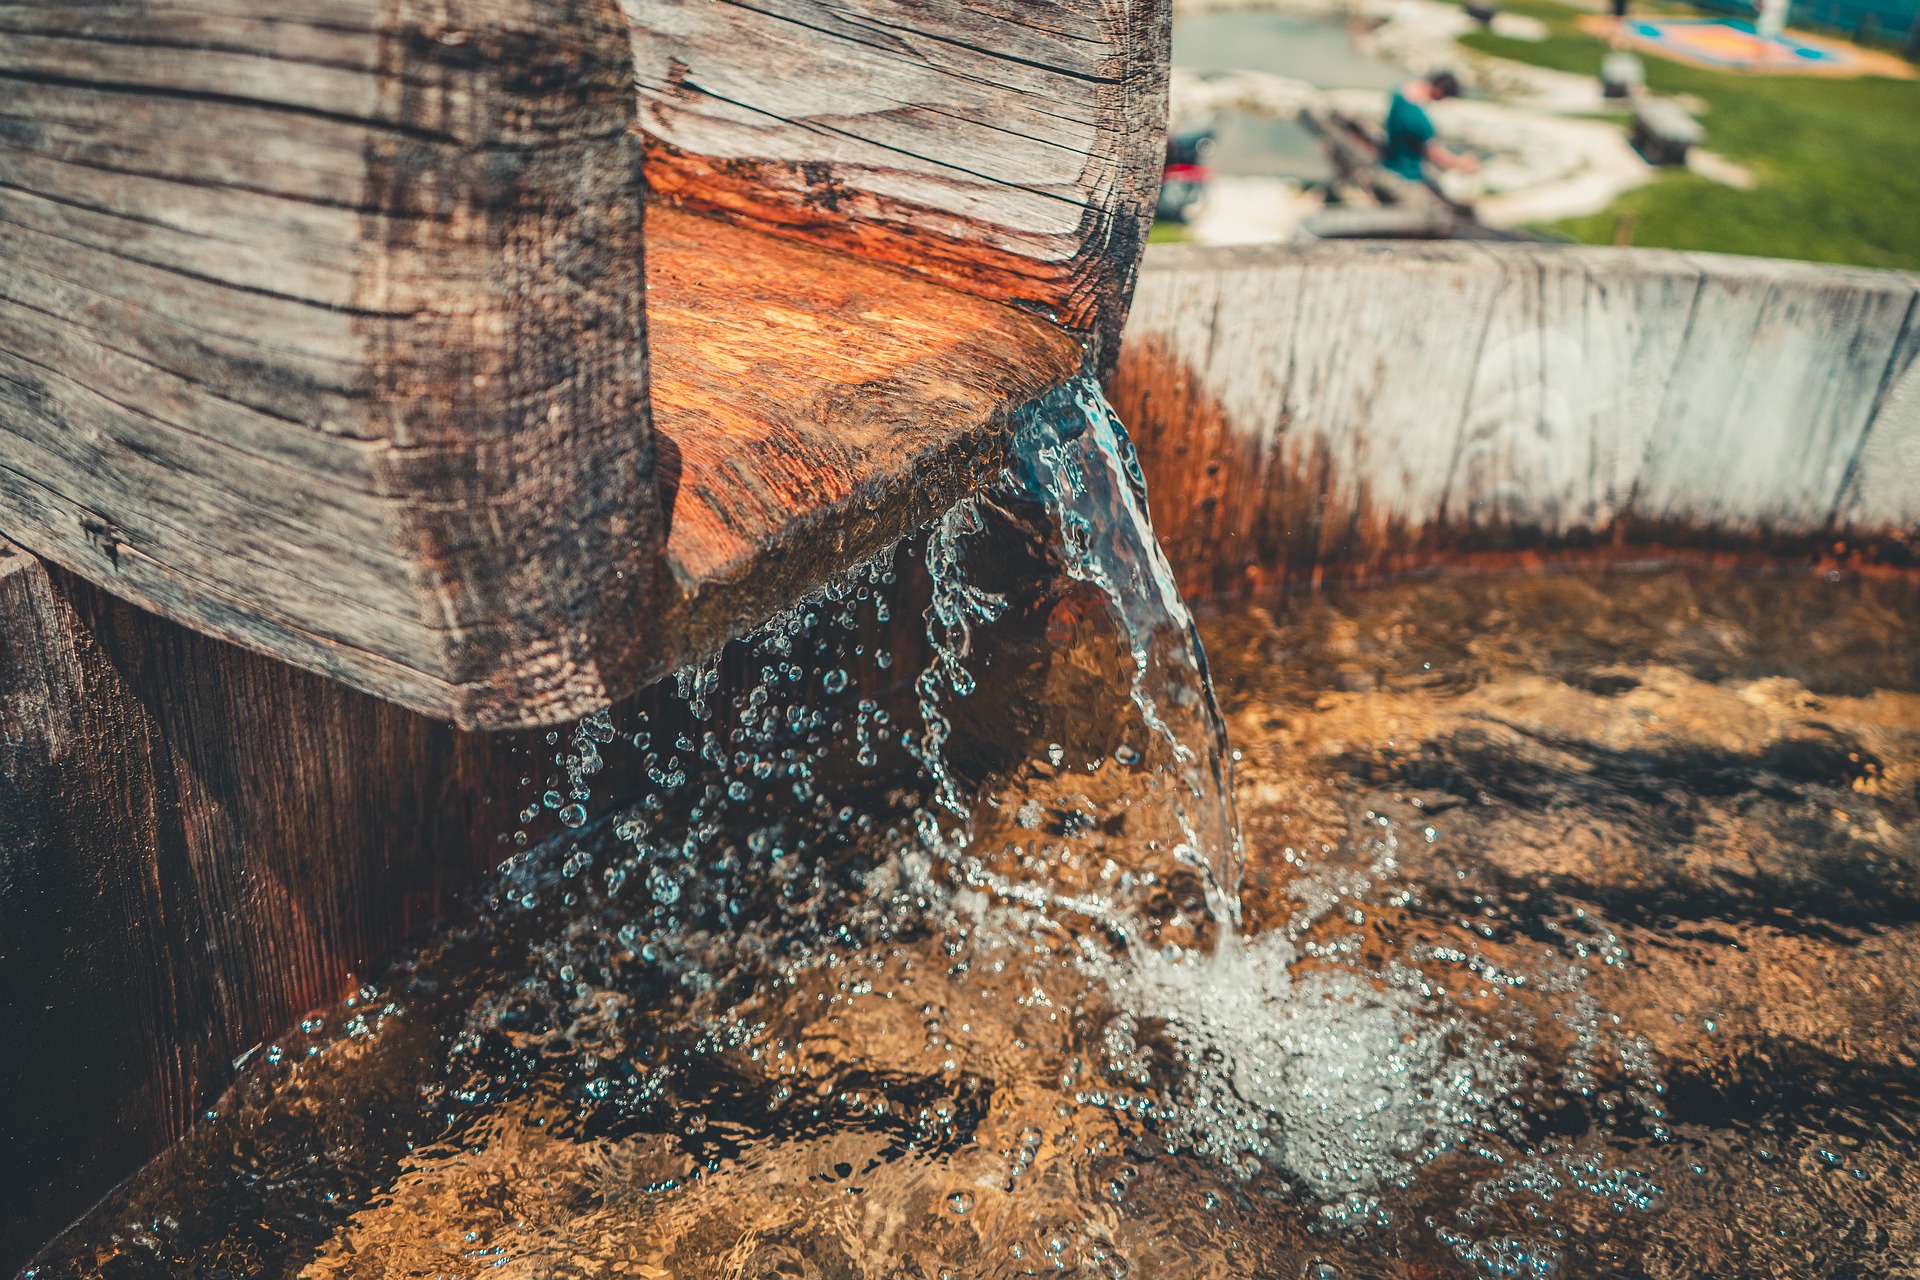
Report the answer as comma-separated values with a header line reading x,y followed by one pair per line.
x,y
1074,456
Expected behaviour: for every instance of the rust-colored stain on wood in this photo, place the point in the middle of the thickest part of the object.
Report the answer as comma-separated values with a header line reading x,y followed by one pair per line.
x,y
810,407
1243,511
1073,289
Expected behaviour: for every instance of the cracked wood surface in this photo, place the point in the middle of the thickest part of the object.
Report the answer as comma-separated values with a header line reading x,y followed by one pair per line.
x,y
323,331
1009,148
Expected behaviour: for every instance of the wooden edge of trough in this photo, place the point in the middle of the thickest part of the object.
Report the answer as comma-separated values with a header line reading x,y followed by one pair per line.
x,y
327,334
1350,411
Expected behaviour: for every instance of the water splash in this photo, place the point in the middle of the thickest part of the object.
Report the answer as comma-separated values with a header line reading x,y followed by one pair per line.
x,y
1074,455
1072,459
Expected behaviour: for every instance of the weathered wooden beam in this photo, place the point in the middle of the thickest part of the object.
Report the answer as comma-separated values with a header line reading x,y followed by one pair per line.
x,y
1010,148
198,844
323,331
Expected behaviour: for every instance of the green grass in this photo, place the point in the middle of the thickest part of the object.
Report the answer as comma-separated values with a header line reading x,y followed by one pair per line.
x,y
1838,161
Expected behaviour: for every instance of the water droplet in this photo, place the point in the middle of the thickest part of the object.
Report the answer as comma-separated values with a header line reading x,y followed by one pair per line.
x,y
573,815
960,1201
834,681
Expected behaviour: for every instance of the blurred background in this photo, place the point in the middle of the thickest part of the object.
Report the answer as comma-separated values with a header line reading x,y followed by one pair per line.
x,y
1791,130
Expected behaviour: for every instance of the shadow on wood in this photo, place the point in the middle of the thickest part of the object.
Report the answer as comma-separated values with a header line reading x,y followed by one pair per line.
x,y
197,844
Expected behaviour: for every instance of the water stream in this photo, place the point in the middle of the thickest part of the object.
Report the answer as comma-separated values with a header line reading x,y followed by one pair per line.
x,y
928,945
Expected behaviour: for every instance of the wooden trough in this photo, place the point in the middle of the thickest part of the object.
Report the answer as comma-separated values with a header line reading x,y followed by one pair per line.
x,y
381,384
372,375
1346,412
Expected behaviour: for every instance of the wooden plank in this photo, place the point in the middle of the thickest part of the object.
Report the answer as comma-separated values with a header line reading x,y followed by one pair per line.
x,y
1008,148
1331,422
1207,405
197,845
1368,378
1883,483
1567,390
1351,411
1769,399
322,331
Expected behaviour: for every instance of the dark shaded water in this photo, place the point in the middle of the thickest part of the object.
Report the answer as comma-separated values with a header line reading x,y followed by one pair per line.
x,y
1575,936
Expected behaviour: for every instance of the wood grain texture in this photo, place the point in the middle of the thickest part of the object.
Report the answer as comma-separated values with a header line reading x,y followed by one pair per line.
x,y
198,844
1010,148
1883,484
1352,410
812,408
322,331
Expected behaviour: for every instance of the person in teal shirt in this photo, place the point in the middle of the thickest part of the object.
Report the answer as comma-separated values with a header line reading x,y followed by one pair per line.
x,y
1410,140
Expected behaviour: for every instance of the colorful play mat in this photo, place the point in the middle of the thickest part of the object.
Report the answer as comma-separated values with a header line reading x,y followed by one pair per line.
x,y
1723,43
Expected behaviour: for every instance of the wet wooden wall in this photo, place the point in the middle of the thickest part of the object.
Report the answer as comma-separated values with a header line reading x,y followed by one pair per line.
x,y
1348,410
197,845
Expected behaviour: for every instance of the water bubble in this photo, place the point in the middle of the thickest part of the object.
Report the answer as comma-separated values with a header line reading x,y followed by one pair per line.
x,y
664,886
834,681
574,815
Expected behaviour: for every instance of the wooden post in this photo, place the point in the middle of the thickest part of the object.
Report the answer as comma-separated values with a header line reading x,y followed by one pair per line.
x,y
321,331
197,845
324,331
